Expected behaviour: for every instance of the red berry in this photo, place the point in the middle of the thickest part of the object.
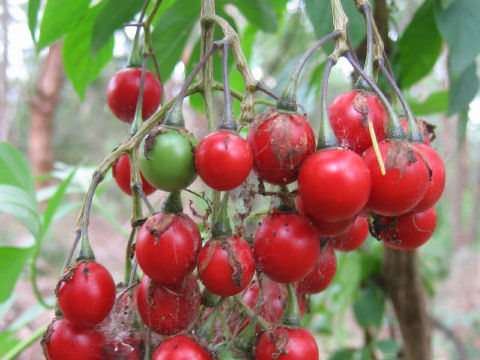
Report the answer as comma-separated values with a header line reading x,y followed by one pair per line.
x,y
354,237
405,182
348,115
334,184
125,348
122,93
223,160
86,293
280,142
167,247
226,266
437,181
168,309
181,347
286,247
63,340
410,231
322,275
287,344
121,174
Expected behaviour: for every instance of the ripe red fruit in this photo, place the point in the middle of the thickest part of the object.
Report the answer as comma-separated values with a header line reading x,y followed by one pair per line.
x,y
226,266
86,293
325,229
125,348
405,182
287,344
280,142
181,347
167,247
348,116
322,275
223,160
168,309
410,231
121,174
63,340
286,247
437,181
354,237
334,184
122,93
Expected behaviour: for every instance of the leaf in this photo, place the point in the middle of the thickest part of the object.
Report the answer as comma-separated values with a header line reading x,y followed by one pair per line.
x,y
388,346
320,14
14,169
59,18
459,24
463,90
436,103
33,7
113,15
342,354
18,203
260,13
171,33
369,308
80,66
419,46
12,262
348,277
55,201
7,342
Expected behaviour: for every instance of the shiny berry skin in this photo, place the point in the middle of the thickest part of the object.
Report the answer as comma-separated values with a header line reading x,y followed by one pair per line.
x,y
322,275
280,142
411,231
286,247
86,293
167,247
325,229
122,93
348,114
215,268
121,174
403,186
223,160
437,182
63,340
181,347
354,237
334,184
297,344
168,309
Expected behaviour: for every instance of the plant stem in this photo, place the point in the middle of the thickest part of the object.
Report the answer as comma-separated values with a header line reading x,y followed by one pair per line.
x,y
207,37
288,100
227,122
368,66
24,344
264,324
128,262
326,136
340,22
138,118
413,131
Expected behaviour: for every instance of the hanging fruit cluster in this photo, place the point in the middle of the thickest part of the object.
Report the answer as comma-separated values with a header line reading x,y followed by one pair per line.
x,y
228,296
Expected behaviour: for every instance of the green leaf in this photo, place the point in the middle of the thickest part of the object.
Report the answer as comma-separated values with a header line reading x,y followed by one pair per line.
x,y
55,201
342,354
369,308
14,169
459,24
33,7
171,33
320,14
388,346
59,18
12,262
419,46
260,13
7,342
20,204
113,15
463,89
348,277
80,66
436,103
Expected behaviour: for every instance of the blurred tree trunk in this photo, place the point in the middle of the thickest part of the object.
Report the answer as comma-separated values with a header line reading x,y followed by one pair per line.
x,y
44,104
402,276
4,85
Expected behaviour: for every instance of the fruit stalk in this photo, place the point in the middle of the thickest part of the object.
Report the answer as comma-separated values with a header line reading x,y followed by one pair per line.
x,y
326,137
227,122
